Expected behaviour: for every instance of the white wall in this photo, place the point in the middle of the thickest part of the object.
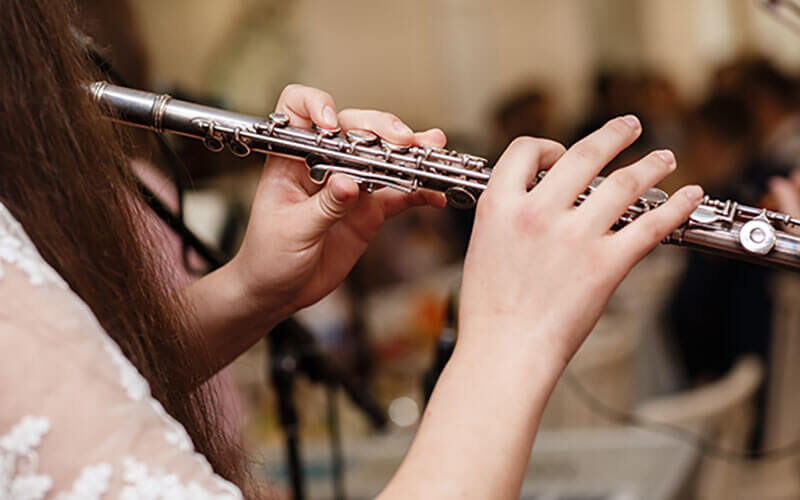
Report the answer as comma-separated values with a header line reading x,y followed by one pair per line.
x,y
444,62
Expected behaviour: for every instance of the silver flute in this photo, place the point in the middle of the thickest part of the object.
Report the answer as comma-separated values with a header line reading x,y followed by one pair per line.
x,y
722,227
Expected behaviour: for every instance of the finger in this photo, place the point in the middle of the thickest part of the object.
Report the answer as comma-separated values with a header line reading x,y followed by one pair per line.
x,y
648,230
385,125
796,177
433,138
521,161
395,202
786,193
610,200
307,105
329,205
584,160
283,172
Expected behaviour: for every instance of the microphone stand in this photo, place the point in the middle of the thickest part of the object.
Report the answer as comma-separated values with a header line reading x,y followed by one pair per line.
x,y
443,349
291,347
293,350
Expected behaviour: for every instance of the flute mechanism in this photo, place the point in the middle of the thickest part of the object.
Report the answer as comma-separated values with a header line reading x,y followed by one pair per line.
x,y
722,227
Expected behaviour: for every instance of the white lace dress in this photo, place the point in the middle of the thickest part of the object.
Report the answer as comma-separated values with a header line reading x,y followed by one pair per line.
x,y
77,420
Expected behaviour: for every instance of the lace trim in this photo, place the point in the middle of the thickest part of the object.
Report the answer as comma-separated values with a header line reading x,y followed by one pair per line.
x,y
91,484
19,461
142,484
18,250
19,479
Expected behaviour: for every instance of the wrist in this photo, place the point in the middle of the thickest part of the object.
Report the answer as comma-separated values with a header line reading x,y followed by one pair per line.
x,y
534,353
538,340
247,302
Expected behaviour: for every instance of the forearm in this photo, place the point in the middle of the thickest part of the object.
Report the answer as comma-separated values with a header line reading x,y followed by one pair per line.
x,y
228,319
478,430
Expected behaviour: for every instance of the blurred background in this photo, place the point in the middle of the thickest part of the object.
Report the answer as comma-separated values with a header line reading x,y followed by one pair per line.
x,y
690,373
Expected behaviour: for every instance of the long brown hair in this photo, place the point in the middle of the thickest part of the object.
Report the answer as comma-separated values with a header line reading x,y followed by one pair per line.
x,y
64,175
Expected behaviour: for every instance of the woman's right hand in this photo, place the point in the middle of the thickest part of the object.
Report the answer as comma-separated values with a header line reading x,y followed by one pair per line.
x,y
786,191
539,271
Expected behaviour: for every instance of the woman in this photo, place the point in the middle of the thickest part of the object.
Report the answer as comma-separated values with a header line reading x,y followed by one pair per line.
x,y
107,400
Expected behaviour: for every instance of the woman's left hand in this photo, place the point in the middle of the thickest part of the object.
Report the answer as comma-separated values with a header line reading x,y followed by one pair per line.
x,y
303,239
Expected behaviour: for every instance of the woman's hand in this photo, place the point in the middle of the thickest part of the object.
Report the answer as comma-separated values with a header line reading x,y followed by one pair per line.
x,y
540,270
538,273
787,193
302,239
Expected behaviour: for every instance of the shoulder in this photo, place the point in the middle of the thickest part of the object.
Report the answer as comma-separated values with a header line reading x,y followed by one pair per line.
x,y
16,249
75,415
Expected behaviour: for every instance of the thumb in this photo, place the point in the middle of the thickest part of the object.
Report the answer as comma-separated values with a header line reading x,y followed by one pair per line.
x,y
330,204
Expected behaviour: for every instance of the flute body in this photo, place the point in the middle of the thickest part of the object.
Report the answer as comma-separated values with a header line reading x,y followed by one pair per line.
x,y
722,227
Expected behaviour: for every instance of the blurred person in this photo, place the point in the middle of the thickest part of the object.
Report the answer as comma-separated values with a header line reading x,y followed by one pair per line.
x,y
720,143
786,192
101,372
612,96
526,112
661,110
772,96
614,93
721,309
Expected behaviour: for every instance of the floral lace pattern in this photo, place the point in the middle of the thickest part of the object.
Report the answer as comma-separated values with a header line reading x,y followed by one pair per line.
x,y
19,461
91,484
142,484
20,478
18,250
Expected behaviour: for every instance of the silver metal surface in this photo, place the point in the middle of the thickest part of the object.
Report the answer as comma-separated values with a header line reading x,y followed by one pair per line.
x,y
758,236
723,227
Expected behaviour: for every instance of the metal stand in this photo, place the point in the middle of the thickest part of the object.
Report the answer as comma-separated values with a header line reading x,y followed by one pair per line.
x,y
445,345
292,350
283,369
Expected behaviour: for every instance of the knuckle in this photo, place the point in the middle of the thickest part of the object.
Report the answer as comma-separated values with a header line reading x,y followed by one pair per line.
x,y
386,116
655,231
526,145
487,203
329,208
575,234
291,89
354,116
625,180
555,145
528,218
619,128
586,150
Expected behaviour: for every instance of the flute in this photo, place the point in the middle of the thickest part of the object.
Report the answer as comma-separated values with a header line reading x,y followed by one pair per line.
x,y
721,227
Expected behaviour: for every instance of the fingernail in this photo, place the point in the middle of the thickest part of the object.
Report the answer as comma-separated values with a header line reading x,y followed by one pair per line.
x,y
632,122
667,156
329,115
402,127
694,193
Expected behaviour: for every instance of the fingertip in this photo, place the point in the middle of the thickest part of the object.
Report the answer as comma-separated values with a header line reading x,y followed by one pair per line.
x,y
343,188
401,128
633,122
434,137
329,118
776,182
396,132
693,193
435,199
